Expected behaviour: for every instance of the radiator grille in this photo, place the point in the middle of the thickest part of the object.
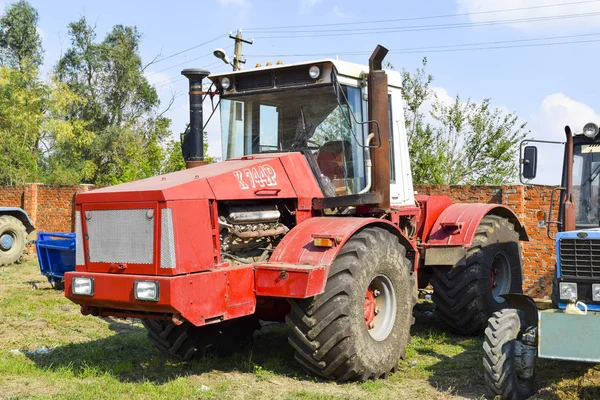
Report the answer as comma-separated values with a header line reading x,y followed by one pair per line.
x,y
167,240
580,257
79,258
121,236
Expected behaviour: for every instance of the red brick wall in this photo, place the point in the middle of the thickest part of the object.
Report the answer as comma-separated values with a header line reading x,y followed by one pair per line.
x,y
525,201
51,209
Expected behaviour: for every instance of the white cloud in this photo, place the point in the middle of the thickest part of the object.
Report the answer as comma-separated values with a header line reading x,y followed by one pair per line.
x,y
558,110
337,12
235,3
526,11
547,123
307,5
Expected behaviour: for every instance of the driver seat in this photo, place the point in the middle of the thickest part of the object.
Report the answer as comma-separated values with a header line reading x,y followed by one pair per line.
x,y
335,161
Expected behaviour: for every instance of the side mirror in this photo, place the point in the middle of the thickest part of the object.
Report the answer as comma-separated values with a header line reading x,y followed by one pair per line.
x,y
529,162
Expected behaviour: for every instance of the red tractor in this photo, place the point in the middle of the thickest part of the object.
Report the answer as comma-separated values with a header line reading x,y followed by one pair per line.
x,y
311,219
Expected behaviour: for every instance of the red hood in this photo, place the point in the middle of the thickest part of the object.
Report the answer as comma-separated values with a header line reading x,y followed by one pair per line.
x,y
285,175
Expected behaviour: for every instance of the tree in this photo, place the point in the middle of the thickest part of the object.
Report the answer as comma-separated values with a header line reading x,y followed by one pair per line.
x,y
22,95
20,42
464,143
117,103
174,157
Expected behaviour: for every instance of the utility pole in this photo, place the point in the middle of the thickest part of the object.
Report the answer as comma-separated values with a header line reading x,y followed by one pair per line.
x,y
237,50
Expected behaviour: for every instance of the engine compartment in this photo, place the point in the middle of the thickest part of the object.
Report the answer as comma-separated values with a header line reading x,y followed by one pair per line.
x,y
249,232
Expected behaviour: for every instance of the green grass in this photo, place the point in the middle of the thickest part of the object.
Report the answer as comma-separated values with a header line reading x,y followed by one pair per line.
x,y
94,358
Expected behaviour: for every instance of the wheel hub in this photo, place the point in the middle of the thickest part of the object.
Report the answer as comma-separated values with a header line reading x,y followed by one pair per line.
x,y
500,277
370,306
6,241
380,307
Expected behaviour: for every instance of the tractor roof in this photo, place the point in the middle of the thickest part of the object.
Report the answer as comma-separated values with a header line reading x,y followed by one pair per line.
x,y
351,70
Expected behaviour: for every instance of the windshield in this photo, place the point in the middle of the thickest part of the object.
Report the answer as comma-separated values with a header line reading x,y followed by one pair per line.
x,y
586,184
311,120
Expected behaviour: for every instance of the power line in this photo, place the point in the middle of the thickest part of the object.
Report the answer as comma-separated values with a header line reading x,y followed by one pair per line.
x,y
427,48
186,62
189,49
424,17
414,28
175,79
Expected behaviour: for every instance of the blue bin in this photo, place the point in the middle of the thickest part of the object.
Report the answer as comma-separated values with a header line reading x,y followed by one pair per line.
x,y
56,255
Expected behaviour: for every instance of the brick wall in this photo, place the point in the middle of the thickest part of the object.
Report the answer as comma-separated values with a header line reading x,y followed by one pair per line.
x,y
51,208
525,201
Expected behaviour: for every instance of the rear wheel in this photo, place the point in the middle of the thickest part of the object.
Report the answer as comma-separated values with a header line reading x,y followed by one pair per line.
x,y
467,295
509,369
187,341
358,328
13,239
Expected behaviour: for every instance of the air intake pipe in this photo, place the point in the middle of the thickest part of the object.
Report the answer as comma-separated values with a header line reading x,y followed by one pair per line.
x,y
193,139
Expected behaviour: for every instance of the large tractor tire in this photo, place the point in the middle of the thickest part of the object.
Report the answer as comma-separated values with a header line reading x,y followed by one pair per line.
x,y
358,328
466,296
13,239
186,341
503,362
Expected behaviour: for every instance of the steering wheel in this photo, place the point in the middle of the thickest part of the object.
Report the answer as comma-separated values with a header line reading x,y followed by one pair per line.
x,y
315,146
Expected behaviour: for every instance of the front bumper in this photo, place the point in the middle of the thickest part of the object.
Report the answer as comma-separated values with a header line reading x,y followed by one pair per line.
x,y
199,298
203,297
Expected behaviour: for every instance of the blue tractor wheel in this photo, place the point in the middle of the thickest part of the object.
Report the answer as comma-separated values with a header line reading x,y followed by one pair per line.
x,y
13,238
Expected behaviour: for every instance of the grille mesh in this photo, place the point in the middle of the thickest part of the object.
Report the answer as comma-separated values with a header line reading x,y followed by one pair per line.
x,y
167,240
580,257
121,236
79,258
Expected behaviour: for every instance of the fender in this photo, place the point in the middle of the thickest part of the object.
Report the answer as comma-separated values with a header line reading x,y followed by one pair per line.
x,y
453,232
299,269
297,246
19,214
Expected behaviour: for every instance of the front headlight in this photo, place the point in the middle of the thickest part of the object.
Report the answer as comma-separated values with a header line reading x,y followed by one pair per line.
x,y
568,291
82,286
146,290
590,130
314,72
225,83
596,292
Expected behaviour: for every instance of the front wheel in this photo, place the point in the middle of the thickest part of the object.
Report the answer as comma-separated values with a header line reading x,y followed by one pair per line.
x,y
358,328
509,363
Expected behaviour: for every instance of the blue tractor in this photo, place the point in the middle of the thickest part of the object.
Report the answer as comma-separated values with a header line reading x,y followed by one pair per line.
x,y
15,226
516,336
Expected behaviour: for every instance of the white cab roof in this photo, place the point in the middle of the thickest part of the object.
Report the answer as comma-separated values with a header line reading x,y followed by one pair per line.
x,y
344,68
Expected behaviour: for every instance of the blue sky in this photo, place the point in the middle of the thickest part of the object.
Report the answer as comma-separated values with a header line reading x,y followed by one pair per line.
x,y
546,86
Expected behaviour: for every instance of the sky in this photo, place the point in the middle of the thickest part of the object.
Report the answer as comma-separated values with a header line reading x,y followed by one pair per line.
x,y
517,62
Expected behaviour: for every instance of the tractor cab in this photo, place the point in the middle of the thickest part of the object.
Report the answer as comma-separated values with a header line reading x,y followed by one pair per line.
x,y
320,109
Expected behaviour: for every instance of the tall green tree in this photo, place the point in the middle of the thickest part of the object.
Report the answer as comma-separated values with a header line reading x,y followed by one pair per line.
x,y
117,103
463,142
22,94
20,42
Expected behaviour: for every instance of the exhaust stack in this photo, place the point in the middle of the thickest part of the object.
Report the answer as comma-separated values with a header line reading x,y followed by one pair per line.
x,y
193,141
378,111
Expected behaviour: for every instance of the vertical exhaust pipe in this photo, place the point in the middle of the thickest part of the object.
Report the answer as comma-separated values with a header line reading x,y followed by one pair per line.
x,y
568,205
379,111
193,141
